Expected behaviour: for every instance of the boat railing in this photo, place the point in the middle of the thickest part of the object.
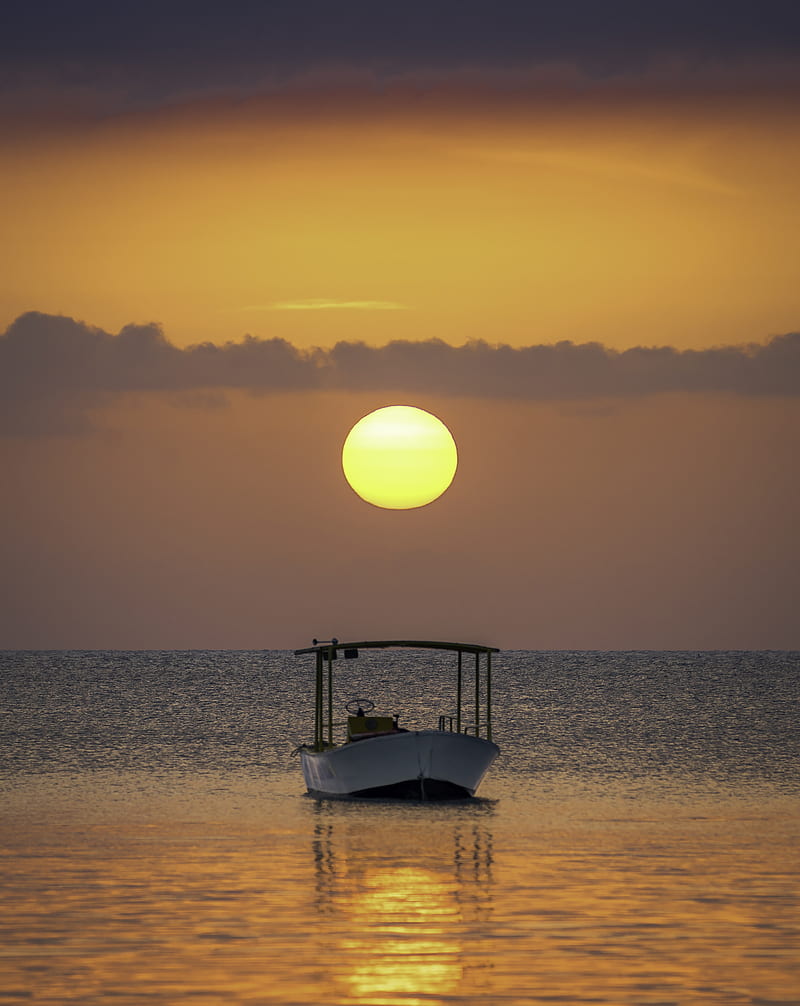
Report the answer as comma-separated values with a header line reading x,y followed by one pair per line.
x,y
449,724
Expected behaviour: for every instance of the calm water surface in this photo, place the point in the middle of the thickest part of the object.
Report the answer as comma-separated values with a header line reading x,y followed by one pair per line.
x,y
637,842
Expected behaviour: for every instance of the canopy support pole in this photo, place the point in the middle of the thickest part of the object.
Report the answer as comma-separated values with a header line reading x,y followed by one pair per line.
x,y
318,705
458,696
477,694
488,695
330,697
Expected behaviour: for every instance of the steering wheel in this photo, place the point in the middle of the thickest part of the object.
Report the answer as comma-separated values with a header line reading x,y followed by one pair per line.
x,y
365,705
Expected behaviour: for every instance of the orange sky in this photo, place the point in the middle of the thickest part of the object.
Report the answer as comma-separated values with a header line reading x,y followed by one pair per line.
x,y
665,522
454,209
600,502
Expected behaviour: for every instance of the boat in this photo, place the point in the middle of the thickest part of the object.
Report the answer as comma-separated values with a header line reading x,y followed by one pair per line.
x,y
377,757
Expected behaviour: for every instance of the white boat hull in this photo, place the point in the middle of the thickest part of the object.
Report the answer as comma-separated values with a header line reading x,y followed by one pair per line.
x,y
420,764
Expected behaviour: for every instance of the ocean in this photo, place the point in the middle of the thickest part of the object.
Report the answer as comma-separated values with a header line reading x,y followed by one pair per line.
x,y
637,841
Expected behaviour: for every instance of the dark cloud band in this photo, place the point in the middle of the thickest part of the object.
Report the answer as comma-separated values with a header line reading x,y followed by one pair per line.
x,y
50,362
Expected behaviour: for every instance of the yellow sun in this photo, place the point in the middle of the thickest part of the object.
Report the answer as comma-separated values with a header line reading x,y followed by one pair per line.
x,y
399,457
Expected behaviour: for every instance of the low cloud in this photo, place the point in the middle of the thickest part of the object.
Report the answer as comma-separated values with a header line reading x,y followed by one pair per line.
x,y
54,369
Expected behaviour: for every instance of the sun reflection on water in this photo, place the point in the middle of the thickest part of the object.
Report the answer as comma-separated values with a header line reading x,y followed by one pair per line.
x,y
405,918
401,925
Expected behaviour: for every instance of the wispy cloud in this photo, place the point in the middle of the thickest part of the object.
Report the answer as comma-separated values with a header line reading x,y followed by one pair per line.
x,y
323,304
53,369
622,167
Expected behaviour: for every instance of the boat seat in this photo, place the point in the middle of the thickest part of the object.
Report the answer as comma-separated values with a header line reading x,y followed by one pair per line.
x,y
359,727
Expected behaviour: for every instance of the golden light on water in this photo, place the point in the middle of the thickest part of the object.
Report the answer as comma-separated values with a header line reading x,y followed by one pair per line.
x,y
201,896
399,457
411,917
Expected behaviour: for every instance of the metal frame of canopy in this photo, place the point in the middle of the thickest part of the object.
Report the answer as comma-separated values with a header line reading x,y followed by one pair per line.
x,y
327,651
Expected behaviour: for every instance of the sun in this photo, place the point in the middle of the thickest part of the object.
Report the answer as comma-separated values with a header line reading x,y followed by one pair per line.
x,y
399,457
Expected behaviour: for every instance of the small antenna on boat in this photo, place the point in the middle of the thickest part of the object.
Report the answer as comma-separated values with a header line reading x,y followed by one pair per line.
x,y
332,642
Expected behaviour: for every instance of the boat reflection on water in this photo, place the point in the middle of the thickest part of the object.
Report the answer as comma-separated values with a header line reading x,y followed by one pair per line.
x,y
403,926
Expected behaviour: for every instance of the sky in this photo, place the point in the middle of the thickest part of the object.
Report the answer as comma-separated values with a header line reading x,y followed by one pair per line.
x,y
230,231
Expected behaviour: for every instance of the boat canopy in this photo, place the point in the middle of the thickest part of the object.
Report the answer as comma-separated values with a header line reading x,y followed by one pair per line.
x,y
326,652
385,644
